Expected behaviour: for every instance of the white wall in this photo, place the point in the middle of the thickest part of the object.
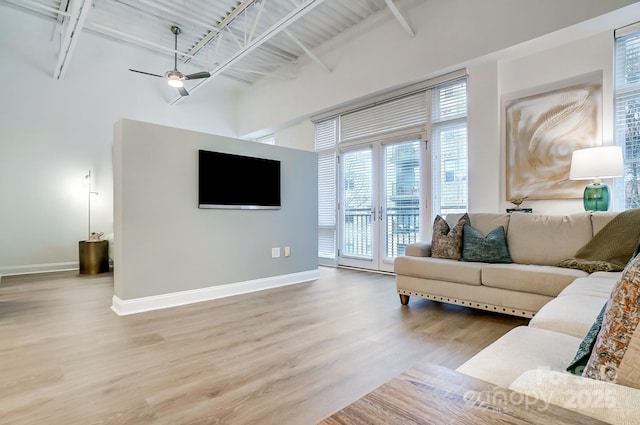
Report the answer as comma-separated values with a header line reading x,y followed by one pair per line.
x,y
166,244
297,136
53,131
517,45
379,55
556,65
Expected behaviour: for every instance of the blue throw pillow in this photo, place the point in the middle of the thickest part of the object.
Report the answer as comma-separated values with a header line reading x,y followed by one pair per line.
x,y
581,358
489,249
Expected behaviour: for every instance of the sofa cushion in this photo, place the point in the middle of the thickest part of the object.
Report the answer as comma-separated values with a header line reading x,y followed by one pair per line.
x,y
545,280
591,285
610,403
572,315
418,249
446,241
439,269
521,349
611,353
599,219
491,248
607,275
611,248
486,222
547,239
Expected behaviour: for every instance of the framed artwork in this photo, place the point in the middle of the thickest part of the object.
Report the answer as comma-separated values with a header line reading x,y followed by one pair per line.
x,y
541,132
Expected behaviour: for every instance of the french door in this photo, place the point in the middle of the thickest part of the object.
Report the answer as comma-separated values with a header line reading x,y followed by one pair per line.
x,y
380,208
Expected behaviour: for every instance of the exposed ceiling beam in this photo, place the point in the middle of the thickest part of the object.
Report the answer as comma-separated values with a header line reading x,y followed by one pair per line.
x,y
119,35
218,28
34,6
256,20
176,11
281,25
62,13
62,10
403,22
75,23
307,51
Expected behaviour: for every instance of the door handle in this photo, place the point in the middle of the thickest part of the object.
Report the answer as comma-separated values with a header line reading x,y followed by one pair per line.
x,y
380,213
373,213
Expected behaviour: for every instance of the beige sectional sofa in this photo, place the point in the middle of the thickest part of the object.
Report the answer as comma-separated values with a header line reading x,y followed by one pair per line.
x,y
532,359
564,303
536,242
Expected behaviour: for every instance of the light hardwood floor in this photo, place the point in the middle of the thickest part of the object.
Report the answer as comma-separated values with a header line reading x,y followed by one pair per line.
x,y
291,355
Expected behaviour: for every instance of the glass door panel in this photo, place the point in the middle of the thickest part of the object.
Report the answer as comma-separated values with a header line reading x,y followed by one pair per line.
x,y
357,209
380,203
400,225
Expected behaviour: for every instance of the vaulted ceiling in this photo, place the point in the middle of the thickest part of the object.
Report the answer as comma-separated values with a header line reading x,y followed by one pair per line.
x,y
239,39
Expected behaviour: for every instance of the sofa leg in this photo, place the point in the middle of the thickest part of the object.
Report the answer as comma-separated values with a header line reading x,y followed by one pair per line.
x,y
404,299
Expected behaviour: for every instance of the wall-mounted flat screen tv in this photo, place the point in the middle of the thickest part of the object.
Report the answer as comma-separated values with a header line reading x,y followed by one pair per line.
x,y
237,181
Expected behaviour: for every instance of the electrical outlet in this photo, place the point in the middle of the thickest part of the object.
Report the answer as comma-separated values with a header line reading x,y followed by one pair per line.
x,y
275,252
287,251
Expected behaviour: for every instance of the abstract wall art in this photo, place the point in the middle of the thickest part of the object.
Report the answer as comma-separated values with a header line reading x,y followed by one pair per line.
x,y
541,132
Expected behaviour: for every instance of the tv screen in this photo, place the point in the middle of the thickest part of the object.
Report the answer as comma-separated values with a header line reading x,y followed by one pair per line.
x,y
236,181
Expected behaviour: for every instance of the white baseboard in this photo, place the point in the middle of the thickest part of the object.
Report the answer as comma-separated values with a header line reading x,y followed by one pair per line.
x,y
157,302
39,268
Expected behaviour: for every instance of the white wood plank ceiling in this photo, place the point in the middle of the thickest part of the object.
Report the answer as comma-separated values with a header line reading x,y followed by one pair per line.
x,y
239,39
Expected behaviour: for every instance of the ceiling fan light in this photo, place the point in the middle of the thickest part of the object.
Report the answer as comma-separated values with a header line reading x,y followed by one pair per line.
x,y
174,82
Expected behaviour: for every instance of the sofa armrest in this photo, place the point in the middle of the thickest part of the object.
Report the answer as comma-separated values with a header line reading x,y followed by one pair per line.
x,y
418,249
605,401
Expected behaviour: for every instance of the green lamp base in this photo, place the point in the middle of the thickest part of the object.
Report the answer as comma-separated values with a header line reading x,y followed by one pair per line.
x,y
596,197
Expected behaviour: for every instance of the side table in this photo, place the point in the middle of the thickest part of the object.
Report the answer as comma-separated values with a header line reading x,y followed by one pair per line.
x,y
94,257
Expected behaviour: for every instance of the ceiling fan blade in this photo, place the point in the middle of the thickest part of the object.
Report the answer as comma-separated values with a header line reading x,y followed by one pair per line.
x,y
146,73
183,91
197,75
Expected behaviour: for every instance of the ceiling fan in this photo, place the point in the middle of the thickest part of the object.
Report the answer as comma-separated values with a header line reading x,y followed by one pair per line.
x,y
174,77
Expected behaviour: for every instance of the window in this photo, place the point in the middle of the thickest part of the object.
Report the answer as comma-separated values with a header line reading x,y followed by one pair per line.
x,y
326,136
441,107
449,150
627,112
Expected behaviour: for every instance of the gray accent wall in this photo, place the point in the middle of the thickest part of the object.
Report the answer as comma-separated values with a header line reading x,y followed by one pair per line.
x,y
165,244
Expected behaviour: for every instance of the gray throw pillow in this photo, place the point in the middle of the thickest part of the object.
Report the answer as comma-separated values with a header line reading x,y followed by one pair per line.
x,y
447,242
489,249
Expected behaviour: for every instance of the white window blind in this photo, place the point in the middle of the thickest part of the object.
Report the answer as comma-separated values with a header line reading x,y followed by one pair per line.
x,y
450,101
449,149
326,138
406,112
627,114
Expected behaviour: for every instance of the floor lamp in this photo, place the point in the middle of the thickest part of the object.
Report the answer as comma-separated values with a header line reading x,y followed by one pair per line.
x,y
94,253
87,180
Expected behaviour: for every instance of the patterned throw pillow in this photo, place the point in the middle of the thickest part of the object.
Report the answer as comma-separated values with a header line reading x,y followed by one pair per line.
x,y
610,354
486,249
447,242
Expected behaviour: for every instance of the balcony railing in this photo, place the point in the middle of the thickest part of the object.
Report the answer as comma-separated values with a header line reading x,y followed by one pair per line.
x,y
402,227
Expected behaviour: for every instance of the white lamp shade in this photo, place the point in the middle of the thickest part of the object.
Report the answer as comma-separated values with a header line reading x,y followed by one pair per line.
x,y
593,163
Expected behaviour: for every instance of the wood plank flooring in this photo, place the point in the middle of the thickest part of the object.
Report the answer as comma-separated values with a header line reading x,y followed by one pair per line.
x,y
291,355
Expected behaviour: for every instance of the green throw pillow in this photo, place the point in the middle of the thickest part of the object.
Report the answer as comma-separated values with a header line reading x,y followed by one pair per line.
x,y
581,358
489,249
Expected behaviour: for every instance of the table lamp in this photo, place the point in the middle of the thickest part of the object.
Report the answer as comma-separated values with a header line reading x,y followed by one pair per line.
x,y
594,164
